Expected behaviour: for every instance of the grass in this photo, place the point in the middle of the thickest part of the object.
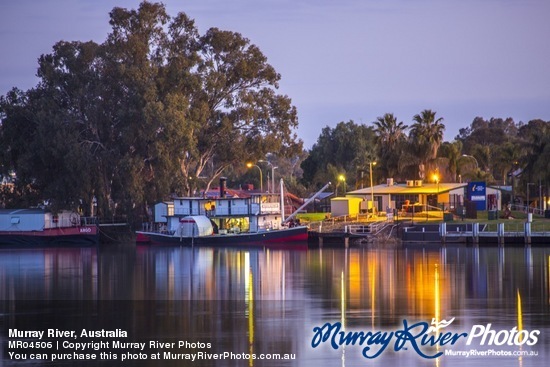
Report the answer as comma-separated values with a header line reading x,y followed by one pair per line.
x,y
311,217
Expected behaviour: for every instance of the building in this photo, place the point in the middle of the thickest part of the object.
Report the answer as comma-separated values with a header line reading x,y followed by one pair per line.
x,y
427,196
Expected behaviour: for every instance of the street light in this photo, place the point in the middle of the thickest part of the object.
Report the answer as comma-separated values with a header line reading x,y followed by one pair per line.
x,y
436,179
475,160
529,183
272,174
343,179
250,165
371,186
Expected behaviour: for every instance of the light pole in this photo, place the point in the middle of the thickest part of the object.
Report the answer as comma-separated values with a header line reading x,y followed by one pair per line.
x,y
436,179
250,165
343,179
529,183
475,160
371,186
272,174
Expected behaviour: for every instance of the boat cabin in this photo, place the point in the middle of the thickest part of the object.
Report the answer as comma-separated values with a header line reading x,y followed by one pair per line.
x,y
258,212
36,219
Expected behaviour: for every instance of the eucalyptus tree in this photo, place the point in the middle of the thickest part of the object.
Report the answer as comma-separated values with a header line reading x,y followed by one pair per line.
x,y
348,148
390,137
144,114
425,137
535,145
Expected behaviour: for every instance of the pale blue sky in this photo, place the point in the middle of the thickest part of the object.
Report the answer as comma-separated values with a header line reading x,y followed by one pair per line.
x,y
346,59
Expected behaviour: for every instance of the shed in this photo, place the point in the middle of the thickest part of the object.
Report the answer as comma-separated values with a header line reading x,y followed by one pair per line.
x,y
345,206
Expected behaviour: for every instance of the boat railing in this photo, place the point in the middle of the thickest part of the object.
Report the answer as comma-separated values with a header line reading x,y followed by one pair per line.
x,y
72,221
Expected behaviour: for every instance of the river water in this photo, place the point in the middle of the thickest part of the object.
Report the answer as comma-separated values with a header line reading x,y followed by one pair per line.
x,y
248,306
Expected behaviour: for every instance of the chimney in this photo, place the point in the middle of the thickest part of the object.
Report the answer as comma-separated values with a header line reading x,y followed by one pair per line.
x,y
222,186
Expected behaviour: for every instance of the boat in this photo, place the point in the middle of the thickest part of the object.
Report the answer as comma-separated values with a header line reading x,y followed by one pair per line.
x,y
39,227
256,219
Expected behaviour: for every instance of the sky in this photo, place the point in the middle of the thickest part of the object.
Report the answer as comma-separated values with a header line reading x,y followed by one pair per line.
x,y
342,60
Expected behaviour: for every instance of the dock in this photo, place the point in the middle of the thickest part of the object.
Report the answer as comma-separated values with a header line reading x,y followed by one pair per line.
x,y
347,234
475,234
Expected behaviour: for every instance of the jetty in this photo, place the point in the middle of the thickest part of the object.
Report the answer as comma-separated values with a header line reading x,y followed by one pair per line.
x,y
349,230
345,231
477,234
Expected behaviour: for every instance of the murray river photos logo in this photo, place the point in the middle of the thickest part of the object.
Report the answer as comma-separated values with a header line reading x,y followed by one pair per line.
x,y
420,337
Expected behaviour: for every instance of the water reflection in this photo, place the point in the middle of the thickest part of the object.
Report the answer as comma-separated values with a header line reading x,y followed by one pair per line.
x,y
265,300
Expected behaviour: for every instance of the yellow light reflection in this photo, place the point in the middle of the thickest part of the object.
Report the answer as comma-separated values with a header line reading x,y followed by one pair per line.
x,y
437,307
343,305
437,297
343,300
372,277
520,313
520,325
249,301
354,282
251,321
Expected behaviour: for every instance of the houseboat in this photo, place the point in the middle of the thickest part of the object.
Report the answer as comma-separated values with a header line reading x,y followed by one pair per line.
x,y
257,218
39,227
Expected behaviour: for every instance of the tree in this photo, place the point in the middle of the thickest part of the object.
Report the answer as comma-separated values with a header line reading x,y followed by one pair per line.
x,y
425,137
484,140
535,145
346,148
147,111
453,152
390,136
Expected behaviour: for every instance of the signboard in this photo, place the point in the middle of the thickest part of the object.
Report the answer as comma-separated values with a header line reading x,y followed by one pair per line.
x,y
477,192
272,208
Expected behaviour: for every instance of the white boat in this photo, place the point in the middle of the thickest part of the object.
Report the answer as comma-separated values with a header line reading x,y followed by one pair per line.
x,y
258,218
38,227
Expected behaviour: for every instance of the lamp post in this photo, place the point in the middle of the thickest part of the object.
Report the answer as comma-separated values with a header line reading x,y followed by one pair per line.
x,y
250,165
272,173
436,179
527,204
475,160
371,186
343,179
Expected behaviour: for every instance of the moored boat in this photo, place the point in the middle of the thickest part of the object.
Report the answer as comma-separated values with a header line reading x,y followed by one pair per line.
x,y
257,218
38,227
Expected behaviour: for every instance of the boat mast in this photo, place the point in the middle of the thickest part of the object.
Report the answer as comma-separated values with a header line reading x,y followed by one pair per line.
x,y
282,198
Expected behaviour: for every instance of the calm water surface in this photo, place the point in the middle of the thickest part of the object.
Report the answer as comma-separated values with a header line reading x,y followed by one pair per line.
x,y
258,301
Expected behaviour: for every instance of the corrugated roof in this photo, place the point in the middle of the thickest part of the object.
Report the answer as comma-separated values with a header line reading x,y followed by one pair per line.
x,y
426,188
21,211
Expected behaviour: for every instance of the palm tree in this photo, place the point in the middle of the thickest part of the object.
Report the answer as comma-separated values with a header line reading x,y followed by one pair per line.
x,y
453,152
390,134
426,136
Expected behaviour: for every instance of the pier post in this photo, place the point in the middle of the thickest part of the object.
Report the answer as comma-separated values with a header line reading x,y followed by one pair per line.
x,y
475,233
527,233
346,241
500,234
443,232
320,241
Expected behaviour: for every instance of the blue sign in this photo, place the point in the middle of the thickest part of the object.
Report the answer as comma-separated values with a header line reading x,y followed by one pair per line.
x,y
477,192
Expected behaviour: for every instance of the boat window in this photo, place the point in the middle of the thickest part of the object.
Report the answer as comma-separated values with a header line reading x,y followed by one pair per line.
x,y
15,220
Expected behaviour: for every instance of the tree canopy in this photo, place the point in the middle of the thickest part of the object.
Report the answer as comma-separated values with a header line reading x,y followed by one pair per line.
x,y
153,110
